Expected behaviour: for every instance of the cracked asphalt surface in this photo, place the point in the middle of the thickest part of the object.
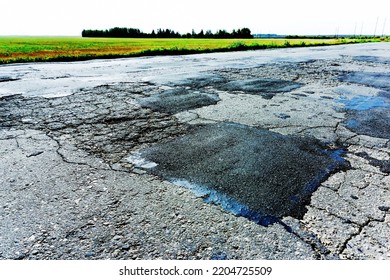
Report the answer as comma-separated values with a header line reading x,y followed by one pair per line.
x,y
76,182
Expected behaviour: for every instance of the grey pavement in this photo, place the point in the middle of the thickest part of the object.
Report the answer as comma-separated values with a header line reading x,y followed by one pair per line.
x,y
271,154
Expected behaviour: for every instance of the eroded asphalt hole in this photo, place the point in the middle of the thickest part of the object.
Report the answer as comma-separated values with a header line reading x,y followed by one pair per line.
x,y
264,87
193,80
251,172
178,100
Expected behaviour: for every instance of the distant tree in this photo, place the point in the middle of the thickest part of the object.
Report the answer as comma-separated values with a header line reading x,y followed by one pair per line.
x,y
244,33
123,32
118,32
234,33
209,34
222,34
94,33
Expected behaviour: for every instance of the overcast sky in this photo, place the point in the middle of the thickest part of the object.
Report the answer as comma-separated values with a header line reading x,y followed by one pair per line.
x,y
302,17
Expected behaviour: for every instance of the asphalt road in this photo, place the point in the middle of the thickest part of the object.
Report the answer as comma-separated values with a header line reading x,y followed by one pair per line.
x,y
271,154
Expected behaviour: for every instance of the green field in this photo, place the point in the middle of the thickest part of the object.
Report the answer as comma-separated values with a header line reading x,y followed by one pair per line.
x,y
39,49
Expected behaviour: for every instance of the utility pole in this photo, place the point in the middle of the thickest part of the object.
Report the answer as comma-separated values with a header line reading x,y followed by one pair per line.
x,y
376,24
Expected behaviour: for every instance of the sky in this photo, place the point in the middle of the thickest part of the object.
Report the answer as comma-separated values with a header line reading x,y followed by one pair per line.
x,y
285,17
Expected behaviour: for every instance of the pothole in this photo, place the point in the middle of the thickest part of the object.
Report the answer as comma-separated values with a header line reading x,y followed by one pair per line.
x,y
178,100
261,86
193,80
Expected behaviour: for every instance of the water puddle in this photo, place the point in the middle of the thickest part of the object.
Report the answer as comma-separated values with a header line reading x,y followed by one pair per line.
x,y
250,172
352,90
365,102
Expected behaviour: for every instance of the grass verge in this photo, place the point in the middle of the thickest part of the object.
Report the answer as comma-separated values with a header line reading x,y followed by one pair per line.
x,y
46,49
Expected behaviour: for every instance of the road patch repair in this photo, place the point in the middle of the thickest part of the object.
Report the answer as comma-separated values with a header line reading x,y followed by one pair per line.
x,y
251,172
272,154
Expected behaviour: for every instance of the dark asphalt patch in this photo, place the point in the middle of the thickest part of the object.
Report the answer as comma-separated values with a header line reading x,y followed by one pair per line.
x,y
178,100
377,80
384,165
369,115
193,80
251,172
203,81
374,122
7,79
374,59
263,87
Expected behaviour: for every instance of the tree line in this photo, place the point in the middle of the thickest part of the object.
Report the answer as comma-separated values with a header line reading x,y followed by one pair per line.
x,y
123,32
